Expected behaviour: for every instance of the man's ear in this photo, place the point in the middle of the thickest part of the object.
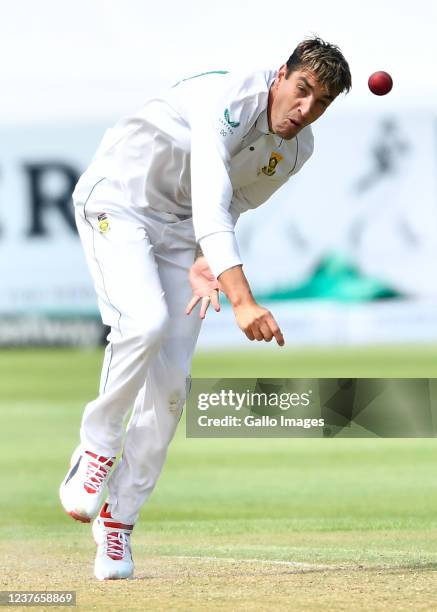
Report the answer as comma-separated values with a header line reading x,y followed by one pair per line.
x,y
280,76
282,72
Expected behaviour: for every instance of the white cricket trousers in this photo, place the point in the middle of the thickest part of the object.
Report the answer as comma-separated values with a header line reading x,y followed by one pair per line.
x,y
139,260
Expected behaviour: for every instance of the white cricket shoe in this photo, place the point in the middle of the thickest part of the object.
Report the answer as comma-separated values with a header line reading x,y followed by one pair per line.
x,y
114,556
83,489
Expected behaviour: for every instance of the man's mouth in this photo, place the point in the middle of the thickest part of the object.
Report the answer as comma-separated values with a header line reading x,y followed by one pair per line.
x,y
295,123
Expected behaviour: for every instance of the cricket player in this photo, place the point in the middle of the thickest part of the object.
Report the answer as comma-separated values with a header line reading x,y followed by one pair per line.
x,y
168,184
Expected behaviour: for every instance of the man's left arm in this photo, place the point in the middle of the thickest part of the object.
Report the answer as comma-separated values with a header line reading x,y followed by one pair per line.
x,y
204,285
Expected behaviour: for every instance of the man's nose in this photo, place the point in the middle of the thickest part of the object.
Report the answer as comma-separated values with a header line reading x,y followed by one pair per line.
x,y
306,107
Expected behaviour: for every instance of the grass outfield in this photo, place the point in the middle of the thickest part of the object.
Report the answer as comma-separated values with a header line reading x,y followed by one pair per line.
x,y
282,524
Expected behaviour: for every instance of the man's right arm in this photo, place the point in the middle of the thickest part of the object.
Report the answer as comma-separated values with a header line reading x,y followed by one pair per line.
x,y
217,129
255,321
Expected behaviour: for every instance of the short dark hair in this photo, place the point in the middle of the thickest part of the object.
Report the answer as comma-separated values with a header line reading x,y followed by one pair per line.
x,y
325,60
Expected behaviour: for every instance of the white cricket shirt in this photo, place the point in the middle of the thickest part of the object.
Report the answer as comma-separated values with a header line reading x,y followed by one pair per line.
x,y
204,149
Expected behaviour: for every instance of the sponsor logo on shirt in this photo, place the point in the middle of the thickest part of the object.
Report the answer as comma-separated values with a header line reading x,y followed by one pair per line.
x,y
227,123
274,160
103,223
233,124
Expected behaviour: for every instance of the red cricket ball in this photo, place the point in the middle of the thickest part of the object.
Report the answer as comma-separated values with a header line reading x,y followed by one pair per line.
x,y
380,83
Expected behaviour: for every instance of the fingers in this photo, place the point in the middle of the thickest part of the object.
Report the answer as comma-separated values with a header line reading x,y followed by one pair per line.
x,y
249,334
191,304
265,329
273,331
278,336
204,306
206,300
257,333
215,300
267,333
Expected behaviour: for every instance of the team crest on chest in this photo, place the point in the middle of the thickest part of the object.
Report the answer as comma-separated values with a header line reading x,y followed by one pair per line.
x,y
274,160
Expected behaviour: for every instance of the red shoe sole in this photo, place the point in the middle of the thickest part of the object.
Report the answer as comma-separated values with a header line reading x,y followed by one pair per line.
x,y
77,517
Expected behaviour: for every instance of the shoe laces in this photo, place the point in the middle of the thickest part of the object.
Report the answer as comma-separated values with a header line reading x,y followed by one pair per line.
x,y
96,472
116,544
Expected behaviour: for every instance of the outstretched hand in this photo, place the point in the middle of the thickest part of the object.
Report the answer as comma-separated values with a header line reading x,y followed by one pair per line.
x,y
205,287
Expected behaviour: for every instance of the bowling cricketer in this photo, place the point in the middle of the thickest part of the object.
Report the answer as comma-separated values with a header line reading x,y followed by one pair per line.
x,y
166,183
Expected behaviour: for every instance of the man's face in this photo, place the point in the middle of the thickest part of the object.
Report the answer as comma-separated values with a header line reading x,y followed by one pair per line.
x,y
296,102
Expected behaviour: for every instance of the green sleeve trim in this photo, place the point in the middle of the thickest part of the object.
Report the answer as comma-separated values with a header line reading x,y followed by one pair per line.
x,y
202,74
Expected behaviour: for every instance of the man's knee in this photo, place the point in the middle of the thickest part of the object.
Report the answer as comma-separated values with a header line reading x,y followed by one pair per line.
x,y
178,396
151,330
